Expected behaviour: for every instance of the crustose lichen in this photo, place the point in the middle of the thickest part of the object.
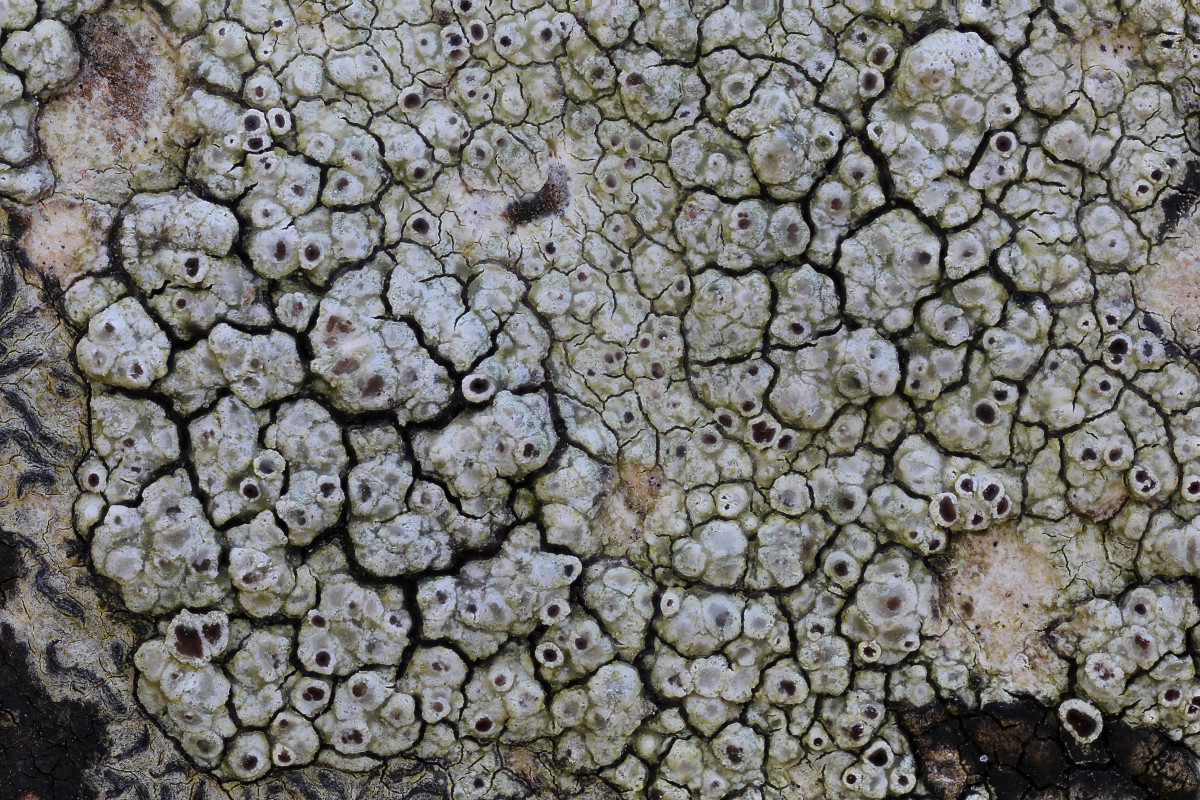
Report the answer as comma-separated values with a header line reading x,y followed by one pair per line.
x,y
663,388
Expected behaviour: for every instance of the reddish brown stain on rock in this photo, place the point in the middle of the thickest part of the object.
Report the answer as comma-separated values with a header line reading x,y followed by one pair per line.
x,y
117,73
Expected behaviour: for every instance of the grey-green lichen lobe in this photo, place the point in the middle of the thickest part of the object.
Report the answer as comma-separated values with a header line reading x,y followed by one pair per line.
x,y
635,385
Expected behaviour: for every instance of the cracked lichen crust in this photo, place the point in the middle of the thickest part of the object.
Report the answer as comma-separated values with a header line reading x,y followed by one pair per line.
x,y
669,392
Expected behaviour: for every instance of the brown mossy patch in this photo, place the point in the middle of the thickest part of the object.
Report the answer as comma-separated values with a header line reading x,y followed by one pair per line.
x,y
117,72
531,768
642,488
106,134
620,520
1100,505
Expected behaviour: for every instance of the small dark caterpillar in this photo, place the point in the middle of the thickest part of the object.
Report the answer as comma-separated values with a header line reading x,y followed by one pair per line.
x,y
553,198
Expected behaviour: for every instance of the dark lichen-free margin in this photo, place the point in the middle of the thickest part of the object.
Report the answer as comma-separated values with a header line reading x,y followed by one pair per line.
x,y
1021,751
46,746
